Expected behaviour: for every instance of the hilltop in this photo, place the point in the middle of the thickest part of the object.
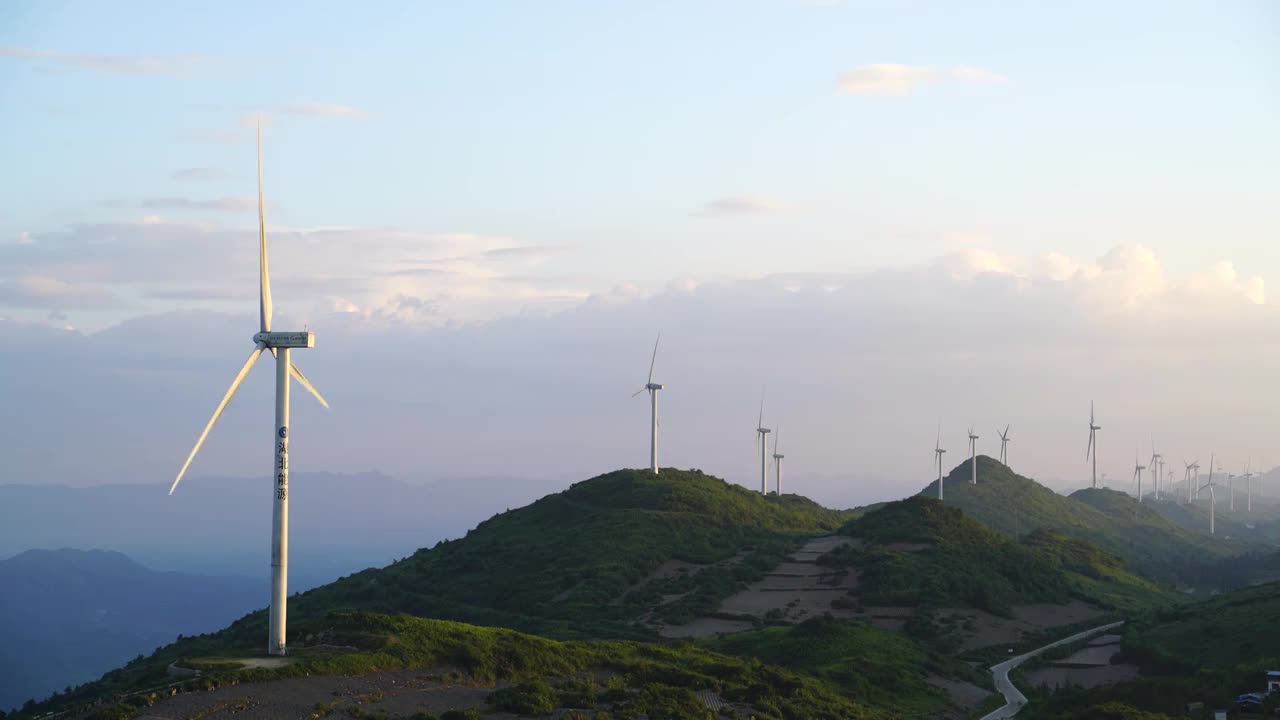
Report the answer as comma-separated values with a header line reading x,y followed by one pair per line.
x,y
1014,505
564,566
923,552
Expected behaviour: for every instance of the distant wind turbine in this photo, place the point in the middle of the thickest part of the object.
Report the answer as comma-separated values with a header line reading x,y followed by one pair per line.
x,y
1092,450
1231,491
938,453
1248,486
653,389
280,344
1190,467
1154,464
1004,442
1138,467
973,455
1212,498
777,461
1195,477
763,442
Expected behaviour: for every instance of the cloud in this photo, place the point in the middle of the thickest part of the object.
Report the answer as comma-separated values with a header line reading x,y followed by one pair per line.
x,y
226,204
177,66
971,337
198,173
742,205
897,79
461,277
41,291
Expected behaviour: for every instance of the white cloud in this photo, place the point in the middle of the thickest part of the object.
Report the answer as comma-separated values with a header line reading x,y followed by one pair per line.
x,y
742,205
898,79
42,291
178,66
393,273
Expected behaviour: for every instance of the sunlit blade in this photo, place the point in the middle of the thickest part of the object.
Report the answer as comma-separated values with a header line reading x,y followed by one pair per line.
x,y
304,382
264,278
235,385
654,359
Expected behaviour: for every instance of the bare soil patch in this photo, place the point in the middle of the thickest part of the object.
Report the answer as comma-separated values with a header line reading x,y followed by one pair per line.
x,y
703,627
963,694
1057,676
990,629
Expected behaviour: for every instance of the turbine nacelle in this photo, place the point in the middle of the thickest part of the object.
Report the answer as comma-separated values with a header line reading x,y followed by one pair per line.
x,y
763,430
278,339
653,386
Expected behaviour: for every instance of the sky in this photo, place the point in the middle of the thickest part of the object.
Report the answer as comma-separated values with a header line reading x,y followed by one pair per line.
x,y
892,220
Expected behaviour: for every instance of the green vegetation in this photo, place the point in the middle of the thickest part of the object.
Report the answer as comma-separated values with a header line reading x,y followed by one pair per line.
x,y
1149,543
570,564
878,667
1208,652
657,680
963,563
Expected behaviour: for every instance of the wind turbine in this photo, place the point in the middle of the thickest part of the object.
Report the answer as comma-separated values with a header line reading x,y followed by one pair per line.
x,y
1154,464
763,442
1092,450
1004,441
1195,478
973,455
1138,467
1248,487
1190,467
938,452
653,389
1231,491
280,344
777,461
1212,498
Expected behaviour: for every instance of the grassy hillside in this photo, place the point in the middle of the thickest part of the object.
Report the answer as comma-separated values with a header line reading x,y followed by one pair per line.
x,y
964,563
627,679
1015,505
879,667
564,565
1209,651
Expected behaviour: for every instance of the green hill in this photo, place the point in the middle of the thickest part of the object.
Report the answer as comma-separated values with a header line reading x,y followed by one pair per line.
x,y
620,678
569,564
961,562
1209,651
1015,505
880,667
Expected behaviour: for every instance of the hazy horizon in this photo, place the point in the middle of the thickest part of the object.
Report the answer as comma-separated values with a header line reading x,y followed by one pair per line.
x,y
966,217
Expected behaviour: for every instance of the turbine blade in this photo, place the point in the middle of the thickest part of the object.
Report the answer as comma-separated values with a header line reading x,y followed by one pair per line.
x,y
638,392
217,412
760,422
654,359
304,382
1089,449
264,277
776,432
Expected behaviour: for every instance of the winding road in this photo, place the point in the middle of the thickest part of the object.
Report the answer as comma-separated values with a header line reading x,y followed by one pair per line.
x,y
1014,700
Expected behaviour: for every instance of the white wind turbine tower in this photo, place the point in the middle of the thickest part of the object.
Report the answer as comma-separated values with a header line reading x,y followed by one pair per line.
x,y
1195,478
653,389
1190,468
1092,450
777,461
280,344
1154,464
1248,487
973,455
1231,491
762,441
1004,442
938,452
1138,467
1212,498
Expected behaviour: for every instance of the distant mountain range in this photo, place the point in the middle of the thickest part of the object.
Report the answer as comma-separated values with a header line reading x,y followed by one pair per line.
x,y
338,523
67,616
